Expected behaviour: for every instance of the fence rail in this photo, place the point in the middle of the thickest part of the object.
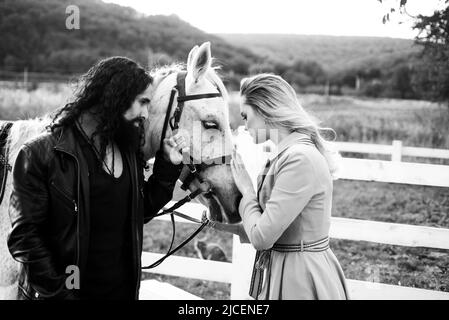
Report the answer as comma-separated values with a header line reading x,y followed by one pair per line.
x,y
360,230
396,150
395,172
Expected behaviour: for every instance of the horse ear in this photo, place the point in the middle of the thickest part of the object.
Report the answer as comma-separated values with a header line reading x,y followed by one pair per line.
x,y
191,55
201,61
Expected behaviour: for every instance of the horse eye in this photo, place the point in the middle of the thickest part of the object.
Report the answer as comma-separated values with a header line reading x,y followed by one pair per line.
x,y
210,125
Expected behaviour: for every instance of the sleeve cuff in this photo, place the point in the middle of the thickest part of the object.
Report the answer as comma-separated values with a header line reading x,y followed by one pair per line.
x,y
247,199
164,169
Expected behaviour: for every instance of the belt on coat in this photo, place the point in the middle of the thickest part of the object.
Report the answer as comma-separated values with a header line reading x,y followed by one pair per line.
x,y
263,260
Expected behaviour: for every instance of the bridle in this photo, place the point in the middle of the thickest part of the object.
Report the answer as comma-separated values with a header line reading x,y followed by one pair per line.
x,y
192,167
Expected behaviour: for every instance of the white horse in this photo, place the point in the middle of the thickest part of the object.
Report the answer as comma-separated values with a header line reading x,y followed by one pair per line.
x,y
204,122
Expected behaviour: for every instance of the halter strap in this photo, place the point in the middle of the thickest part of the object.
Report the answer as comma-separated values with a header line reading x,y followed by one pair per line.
x,y
167,117
181,87
199,96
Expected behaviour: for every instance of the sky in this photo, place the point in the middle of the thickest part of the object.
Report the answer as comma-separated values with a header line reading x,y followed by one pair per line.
x,y
318,17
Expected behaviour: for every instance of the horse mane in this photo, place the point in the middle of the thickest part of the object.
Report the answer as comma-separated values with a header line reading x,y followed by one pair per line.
x,y
160,73
213,77
24,130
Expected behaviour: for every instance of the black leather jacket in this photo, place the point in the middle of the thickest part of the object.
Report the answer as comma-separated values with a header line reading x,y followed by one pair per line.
x,y
49,210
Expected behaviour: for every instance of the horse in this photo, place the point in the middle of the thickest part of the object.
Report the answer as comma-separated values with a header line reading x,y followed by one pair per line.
x,y
204,122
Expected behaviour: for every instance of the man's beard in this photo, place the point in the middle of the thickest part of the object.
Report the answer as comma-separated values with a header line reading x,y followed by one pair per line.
x,y
128,135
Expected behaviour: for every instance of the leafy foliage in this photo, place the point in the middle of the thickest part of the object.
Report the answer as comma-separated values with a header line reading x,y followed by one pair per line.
x,y
431,76
435,55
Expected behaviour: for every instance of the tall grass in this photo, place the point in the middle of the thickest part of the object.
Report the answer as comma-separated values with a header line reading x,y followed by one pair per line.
x,y
20,104
416,123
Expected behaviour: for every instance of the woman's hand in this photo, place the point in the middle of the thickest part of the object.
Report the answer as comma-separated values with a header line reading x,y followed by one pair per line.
x,y
240,174
174,147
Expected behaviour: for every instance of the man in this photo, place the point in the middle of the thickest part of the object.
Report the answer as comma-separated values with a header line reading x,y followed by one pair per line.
x,y
79,198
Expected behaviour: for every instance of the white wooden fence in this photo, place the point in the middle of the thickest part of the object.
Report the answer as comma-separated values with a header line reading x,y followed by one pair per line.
x,y
396,150
238,272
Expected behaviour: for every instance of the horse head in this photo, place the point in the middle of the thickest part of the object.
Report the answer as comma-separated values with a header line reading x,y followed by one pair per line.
x,y
204,122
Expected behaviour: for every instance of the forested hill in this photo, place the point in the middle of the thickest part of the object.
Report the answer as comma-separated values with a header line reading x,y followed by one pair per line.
x,y
333,53
34,36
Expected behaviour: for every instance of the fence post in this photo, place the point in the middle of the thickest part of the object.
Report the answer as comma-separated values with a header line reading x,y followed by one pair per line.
x,y
396,154
242,265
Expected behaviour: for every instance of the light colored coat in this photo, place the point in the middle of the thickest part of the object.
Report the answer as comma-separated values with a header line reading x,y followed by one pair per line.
x,y
293,206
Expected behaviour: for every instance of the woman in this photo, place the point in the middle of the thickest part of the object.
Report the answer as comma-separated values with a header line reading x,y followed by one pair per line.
x,y
288,219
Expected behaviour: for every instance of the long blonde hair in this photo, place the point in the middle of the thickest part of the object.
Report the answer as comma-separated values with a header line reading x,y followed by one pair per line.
x,y
277,103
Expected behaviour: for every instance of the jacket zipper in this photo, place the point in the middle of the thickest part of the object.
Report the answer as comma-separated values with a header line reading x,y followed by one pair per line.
x,y
75,204
65,195
136,179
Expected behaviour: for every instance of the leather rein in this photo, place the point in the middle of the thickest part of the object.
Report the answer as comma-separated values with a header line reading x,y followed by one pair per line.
x,y
191,168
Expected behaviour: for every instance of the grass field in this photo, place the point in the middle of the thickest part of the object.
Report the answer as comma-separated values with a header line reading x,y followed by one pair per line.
x,y
416,123
18,104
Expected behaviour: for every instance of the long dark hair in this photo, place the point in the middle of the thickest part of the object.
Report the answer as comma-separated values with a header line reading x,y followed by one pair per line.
x,y
107,90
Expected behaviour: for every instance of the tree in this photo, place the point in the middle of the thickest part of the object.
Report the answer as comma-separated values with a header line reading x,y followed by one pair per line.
x,y
308,69
281,68
240,65
298,79
431,74
401,81
259,68
434,37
